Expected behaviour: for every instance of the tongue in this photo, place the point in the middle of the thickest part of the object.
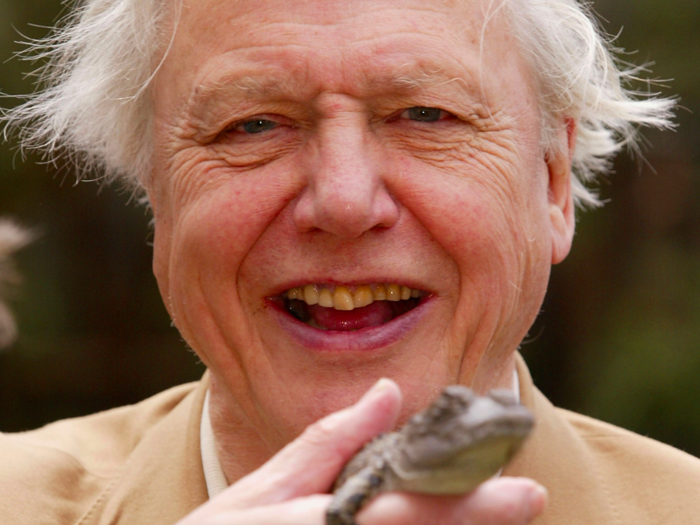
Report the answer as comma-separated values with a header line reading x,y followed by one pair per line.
x,y
375,314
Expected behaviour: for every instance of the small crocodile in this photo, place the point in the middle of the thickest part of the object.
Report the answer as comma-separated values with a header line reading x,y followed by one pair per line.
x,y
452,446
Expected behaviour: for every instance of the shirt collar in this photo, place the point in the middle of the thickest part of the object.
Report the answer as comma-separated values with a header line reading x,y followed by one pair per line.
x,y
213,473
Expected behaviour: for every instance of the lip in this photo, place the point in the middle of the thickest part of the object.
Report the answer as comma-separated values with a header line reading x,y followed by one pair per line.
x,y
364,340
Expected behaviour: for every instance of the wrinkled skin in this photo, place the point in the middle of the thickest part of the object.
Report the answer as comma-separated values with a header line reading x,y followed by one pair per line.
x,y
346,188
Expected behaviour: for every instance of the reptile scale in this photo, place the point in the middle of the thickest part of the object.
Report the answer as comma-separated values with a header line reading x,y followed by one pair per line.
x,y
449,448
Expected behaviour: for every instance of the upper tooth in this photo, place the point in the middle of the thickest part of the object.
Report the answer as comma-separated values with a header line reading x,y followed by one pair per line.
x,y
311,294
363,296
393,292
380,293
325,298
343,298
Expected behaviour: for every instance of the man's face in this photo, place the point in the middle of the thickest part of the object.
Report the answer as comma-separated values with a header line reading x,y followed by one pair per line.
x,y
350,144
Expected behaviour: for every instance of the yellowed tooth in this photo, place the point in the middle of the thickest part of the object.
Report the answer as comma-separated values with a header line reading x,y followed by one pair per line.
x,y
380,293
293,293
393,292
311,294
325,298
363,296
342,299
405,293
415,293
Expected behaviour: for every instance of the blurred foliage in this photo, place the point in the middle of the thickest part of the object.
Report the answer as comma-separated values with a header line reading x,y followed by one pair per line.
x,y
618,338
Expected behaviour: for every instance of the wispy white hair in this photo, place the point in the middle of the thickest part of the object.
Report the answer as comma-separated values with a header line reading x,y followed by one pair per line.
x,y
12,237
579,77
95,102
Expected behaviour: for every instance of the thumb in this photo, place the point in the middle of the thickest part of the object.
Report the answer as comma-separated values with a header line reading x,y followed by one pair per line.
x,y
310,463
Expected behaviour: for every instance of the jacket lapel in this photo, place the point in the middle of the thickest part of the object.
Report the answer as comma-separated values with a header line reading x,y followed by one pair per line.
x,y
163,480
557,458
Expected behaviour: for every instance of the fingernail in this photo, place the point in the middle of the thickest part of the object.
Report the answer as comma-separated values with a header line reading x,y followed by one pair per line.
x,y
536,502
377,389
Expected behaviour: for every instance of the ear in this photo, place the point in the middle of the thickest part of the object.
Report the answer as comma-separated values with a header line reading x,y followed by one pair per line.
x,y
561,202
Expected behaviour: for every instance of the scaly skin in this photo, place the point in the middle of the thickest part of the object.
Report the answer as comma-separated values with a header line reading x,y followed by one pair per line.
x,y
451,447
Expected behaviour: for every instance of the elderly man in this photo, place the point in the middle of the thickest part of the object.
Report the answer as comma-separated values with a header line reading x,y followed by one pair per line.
x,y
342,191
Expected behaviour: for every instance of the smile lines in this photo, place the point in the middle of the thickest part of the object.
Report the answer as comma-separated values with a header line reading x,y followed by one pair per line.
x,y
348,298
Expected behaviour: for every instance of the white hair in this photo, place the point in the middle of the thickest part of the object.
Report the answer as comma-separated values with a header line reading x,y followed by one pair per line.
x,y
95,104
12,237
579,77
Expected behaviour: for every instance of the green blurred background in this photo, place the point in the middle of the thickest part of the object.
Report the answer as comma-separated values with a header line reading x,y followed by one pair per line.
x,y
618,337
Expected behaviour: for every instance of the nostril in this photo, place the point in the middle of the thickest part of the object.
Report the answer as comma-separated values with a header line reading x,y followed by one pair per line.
x,y
345,192
340,217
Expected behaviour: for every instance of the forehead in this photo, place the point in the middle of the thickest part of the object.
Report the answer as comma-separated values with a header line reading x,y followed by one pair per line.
x,y
259,21
359,47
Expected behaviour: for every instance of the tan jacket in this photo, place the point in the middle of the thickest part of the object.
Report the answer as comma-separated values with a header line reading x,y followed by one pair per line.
x,y
141,465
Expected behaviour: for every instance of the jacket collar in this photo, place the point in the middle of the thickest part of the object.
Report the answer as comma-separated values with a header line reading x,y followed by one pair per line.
x,y
558,458
163,479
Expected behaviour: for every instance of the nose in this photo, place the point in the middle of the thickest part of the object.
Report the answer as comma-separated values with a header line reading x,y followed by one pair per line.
x,y
345,194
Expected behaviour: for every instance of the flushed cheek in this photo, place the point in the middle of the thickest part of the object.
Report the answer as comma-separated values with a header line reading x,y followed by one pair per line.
x,y
481,217
210,235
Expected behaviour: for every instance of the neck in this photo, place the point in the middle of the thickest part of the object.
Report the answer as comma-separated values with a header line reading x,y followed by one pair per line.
x,y
239,447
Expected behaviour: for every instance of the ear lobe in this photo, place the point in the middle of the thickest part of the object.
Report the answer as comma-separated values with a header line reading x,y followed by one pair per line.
x,y
561,202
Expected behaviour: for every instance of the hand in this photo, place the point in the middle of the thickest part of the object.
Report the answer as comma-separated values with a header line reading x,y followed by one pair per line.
x,y
290,489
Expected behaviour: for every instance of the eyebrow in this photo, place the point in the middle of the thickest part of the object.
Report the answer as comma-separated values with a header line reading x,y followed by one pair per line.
x,y
283,84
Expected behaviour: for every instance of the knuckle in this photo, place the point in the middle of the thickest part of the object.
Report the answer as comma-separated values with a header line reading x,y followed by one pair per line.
x,y
323,431
500,511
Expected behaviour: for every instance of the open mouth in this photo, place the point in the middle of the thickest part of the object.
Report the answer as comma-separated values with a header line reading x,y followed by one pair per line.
x,y
346,308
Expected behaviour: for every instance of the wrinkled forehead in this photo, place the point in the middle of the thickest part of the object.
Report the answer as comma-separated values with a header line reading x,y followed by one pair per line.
x,y
339,15
337,44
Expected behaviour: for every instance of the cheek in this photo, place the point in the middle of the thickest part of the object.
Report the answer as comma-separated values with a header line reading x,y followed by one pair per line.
x,y
207,234
489,215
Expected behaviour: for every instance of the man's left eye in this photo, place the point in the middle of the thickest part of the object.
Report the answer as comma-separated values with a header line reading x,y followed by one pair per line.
x,y
257,125
424,114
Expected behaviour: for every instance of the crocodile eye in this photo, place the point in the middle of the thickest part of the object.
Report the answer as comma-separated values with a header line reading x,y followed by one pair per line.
x,y
503,396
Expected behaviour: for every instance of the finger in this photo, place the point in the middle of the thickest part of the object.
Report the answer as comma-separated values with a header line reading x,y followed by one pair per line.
x,y
311,463
309,510
502,501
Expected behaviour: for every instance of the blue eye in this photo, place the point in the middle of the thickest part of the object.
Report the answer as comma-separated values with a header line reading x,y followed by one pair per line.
x,y
423,114
257,126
